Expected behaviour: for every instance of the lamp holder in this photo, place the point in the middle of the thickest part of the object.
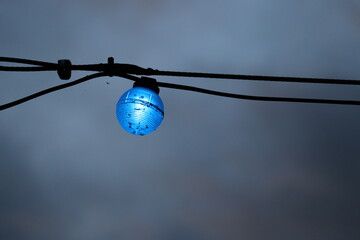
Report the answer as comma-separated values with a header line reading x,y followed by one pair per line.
x,y
149,83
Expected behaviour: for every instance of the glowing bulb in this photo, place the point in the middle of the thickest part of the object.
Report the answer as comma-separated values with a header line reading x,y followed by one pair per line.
x,y
140,110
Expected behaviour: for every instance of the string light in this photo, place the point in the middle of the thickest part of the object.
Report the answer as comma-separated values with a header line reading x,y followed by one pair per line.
x,y
140,110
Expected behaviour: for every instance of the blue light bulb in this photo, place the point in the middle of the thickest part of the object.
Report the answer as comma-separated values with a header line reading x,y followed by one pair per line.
x,y
140,110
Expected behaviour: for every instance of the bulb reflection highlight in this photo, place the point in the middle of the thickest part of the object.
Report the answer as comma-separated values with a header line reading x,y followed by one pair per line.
x,y
140,111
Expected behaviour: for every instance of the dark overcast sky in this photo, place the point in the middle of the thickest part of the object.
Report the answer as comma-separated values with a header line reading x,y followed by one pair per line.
x,y
216,168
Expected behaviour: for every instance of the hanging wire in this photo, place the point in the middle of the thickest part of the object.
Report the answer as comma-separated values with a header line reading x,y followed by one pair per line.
x,y
125,71
246,97
257,98
255,78
49,90
136,70
27,61
40,66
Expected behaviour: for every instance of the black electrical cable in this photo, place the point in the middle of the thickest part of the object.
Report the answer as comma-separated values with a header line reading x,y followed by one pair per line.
x,y
255,78
246,97
123,70
39,65
257,98
112,68
27,61
49,90
180,87
27,69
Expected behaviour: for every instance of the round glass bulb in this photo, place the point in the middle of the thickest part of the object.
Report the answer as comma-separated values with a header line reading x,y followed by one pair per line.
x,y
140,111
